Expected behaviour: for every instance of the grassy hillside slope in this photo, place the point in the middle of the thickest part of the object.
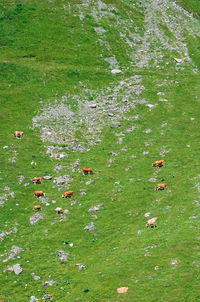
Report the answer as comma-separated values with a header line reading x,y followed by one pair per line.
x,y
60,86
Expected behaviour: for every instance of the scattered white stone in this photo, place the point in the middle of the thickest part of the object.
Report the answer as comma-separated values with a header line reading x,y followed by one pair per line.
x,y
33,299
150,106
115,71
163,125
15,250
35,218
63,154
48,283
89,182
96,208
188,146
139,232
16,268
153,179
6,188
5,147
90,226
147,131
47,177
193,217
147,214
163,100
174,261
62,255
192,118
156,267
177,60
20,179
35,277
81,266
145,152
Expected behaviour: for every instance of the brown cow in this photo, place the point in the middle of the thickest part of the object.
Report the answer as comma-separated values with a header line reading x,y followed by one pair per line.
x,y
162,186
39,193
37,208
158,163
68,194
18,134
151,222
37,180
59,210
87,171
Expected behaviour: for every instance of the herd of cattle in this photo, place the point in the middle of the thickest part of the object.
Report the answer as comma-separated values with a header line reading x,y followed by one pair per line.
x,y
68,194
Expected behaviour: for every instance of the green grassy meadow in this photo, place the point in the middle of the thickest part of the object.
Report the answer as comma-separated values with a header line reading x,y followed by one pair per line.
x,y
47,51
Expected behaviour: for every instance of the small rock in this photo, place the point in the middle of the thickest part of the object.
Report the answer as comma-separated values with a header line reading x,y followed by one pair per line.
x,y
83,192
48,283
90,227
47,297
147,131
93,105
178,60
116,125
6,188
20,179
147,214
96,208
115,71
35,218
63,154
193,217
174,261
62,255
89,182
156,267
81,266
94,217
150,105
15,250
72,202
33,299
47,177
26,184
145,152
16,268
5,147
153,179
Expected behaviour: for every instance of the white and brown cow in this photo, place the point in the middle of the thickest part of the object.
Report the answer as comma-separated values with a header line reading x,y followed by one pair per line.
x,y
18,134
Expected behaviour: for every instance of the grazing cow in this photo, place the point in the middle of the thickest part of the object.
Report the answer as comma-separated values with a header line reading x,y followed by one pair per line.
x,y
68,194
162,186
39,193
37,180
87,171
151,222
122,290
158,163
37,208
59,210
18,134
